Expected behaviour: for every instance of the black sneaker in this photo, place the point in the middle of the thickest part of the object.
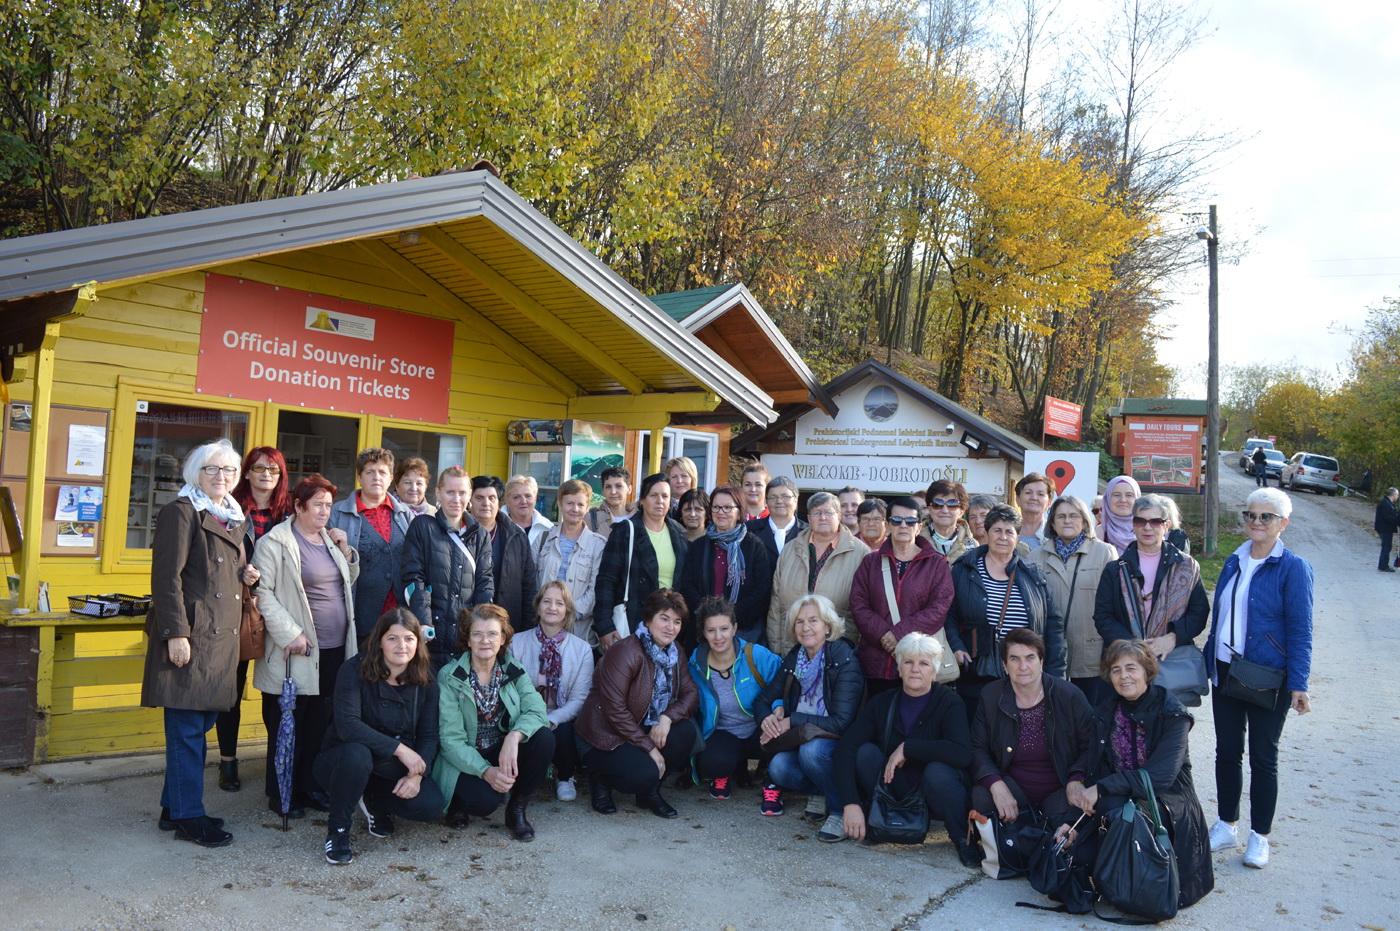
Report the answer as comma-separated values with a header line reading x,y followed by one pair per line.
x,y
338,847
379,825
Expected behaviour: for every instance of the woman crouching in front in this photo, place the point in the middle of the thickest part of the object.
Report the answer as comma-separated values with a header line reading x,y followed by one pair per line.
x,y
494,738
913,736
636,725
383,735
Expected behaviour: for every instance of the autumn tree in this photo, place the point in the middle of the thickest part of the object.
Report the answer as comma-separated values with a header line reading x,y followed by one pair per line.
x,y
1362,417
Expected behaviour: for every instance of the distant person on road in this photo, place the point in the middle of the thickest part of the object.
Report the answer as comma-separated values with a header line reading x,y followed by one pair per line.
x,y
1263,616
1387,522
1261,469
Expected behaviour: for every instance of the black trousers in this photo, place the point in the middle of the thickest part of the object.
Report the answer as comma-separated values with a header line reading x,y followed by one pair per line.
x,y
1055,808
629,768
1387,540
1093,688
347,771
1265,726
312,717
475,796
565,751
725,755
944,788
969,688
227,723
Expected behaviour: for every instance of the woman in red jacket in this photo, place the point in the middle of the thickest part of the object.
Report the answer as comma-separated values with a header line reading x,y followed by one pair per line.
x,y
923,590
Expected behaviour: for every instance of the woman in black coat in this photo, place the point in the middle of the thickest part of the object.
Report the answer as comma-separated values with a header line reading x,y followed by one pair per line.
x,y
630,545
1144,727
745,582
383,736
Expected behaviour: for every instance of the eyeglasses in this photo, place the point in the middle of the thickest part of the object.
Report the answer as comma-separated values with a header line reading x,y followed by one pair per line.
x,y
263,470
1096,510
215,470
943,503
782,499
1252,518
825,513
718,508
1153,522
903,521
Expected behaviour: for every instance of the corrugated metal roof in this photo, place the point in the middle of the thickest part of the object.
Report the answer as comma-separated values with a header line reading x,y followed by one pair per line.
x,y
1165,407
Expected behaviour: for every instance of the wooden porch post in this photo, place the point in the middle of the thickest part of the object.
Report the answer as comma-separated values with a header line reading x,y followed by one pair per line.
x,y
33,525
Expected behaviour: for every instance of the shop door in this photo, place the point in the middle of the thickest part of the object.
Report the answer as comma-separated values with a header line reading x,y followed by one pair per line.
x,y
323,443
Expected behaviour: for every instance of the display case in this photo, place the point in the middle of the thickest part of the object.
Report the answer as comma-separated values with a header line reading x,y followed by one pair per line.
x,y
553,451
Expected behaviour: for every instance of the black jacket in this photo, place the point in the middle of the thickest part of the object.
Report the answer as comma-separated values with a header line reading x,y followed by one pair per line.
x,y
1069,727
843,687
762,531
1111,613
939,735
1167,727
515,576
381,717
1387,516
613,566
698,582
967,626
431,560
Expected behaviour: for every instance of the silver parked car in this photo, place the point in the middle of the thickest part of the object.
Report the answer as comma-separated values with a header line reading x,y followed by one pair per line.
x,y
1309,470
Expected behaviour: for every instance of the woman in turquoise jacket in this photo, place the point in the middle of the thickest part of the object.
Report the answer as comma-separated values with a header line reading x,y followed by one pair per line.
x,y
494,741
729,673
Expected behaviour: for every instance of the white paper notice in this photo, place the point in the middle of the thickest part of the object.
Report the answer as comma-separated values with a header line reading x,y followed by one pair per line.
x,y
86,445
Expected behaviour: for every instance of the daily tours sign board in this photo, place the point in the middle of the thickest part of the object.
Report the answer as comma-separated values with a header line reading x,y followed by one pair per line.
x,y
294,347
1164,453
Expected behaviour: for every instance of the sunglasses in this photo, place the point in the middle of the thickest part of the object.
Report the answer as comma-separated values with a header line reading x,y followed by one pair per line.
x,y
904,521
1252,518
943,503
1149,522
265,470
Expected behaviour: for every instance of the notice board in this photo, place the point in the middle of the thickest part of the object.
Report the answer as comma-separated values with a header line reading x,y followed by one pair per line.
x,y
63,470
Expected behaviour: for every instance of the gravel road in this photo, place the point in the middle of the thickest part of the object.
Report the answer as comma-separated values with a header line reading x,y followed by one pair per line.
x,y
79,848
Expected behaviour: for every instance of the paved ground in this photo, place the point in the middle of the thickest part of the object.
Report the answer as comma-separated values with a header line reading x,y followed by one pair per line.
x,y
79,848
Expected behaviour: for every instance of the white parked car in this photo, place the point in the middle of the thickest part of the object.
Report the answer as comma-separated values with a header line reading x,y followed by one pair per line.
x,y
1309,470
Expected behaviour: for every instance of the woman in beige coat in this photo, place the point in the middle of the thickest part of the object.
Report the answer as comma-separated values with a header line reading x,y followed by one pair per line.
x,y
307,601
1072,561
837,554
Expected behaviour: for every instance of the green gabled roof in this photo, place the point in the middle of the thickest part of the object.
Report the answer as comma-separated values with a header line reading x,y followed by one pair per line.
x,y
1162,407
681,304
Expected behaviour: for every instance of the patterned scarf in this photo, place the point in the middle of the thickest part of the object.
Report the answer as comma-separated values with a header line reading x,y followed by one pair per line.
x,y
227,510
488,707
1118,530
1129,740
941,543
551,665
1066,550
664,664
1169,600
733,554
809,675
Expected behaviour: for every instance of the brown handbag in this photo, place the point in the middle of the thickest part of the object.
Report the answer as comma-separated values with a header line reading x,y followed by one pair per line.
x,y
251,630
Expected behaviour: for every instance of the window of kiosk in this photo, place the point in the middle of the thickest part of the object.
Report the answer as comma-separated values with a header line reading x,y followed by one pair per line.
x,y
701,447
165,435
438,450
319,443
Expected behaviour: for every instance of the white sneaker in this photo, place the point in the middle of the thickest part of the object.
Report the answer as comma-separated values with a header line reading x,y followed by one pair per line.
x,y
1256,852
566,791
1223,836
833,830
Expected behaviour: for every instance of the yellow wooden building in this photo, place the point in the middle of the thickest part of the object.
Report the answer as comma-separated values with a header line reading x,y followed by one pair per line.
x,y
125,345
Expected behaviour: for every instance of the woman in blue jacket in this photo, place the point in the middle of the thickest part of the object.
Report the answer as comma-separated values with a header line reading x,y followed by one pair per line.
x,y
1262,615
729,673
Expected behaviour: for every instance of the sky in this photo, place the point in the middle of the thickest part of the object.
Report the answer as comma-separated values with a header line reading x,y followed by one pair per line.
x,y
1312,92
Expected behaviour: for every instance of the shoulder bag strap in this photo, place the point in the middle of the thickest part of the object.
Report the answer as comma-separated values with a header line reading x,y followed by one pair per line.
x,y
456,538
891,599
889,720
1132,600
812,568
753,667
1072,580
1005,600
627,575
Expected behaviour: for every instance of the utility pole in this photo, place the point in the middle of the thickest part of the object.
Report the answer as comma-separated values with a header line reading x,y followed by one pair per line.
x,y
1212,517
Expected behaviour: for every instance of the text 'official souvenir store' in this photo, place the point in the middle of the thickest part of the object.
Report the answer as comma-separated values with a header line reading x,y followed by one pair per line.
x,y
423,316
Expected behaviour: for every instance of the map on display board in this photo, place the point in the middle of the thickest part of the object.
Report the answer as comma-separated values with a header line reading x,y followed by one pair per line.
x,y
1164,454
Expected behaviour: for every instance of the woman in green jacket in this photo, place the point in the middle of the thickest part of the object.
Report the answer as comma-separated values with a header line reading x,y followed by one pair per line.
x,y
494,741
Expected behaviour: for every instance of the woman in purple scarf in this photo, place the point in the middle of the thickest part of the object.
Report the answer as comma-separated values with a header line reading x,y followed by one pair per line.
x,y
1116,519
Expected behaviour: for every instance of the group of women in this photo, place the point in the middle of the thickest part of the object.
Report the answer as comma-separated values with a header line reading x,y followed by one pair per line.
x,y
994,672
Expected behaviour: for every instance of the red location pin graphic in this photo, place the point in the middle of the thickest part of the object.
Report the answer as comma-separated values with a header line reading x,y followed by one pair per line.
x,y
1061,473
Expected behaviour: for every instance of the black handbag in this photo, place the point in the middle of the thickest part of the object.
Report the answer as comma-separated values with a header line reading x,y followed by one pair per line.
x,y
1060,870
896,819
1252,682
1135,870
1006,848
988,664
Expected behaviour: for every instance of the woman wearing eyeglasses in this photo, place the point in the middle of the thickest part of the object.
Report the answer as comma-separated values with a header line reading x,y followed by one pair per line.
x,y
1263,617
729,562
1153,581
947,531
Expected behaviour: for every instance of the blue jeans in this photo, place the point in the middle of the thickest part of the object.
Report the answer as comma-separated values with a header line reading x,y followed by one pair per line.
x,y
808,769
183,792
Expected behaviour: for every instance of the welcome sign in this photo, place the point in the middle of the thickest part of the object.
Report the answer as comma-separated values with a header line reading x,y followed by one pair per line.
x,y
294,347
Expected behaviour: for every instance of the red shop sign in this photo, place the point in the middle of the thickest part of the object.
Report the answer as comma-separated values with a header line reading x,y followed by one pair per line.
x,y
294,347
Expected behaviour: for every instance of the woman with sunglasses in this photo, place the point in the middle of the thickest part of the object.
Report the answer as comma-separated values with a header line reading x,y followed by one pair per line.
x,y
1263,615
947,505
1153,581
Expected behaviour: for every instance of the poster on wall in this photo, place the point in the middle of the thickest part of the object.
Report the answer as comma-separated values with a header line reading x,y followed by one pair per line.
x,y
259,342
1074,474
78,503
1164,454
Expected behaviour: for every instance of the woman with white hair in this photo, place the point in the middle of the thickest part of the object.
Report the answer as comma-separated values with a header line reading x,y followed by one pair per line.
x,y
1258,656
198,569
806,708
913,737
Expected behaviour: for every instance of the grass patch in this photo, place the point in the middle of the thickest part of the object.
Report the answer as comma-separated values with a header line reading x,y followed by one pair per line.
x,y
1226,543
